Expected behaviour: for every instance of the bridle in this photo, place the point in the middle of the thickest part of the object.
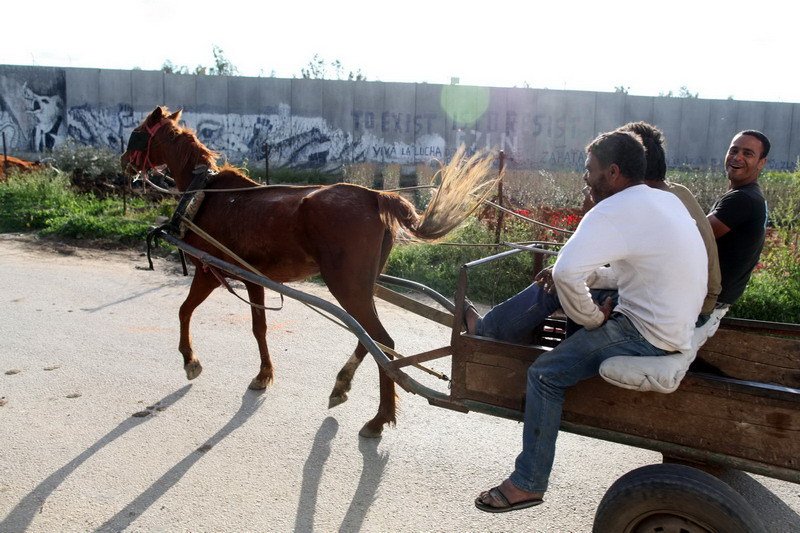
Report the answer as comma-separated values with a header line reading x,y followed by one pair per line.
x,y
139,144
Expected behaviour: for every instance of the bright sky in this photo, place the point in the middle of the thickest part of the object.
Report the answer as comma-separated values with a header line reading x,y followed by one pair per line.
x,y
744,50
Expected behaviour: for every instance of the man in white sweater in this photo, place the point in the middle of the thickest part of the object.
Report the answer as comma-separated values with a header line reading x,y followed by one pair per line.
x,y
660,263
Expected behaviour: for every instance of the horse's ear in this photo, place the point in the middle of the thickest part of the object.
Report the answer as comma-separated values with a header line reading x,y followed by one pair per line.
x,y
176,116
157,113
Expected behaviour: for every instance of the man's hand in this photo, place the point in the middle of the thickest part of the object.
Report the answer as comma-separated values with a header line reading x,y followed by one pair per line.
x,y
607,307
545,279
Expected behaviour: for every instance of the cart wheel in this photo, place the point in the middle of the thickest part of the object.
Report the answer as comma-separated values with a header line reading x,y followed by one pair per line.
x,y
674,498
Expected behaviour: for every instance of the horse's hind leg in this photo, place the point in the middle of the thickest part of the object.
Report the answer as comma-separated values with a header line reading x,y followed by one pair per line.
x,y
344,378
355,295
202,285
264,377
357,300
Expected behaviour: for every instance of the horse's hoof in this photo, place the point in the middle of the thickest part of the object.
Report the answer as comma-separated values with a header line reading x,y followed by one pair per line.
x,y
333,401
258,384
193,370
369,433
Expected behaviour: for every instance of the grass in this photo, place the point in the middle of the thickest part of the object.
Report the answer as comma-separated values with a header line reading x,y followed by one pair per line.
x,y
45,202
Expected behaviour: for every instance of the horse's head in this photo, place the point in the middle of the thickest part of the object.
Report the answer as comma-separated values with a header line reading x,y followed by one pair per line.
x,y
145,150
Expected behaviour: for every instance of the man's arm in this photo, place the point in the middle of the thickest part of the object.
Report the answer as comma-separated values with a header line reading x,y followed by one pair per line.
x,y
595,244
717,226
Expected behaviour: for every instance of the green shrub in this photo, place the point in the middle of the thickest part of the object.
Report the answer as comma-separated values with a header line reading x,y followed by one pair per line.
x,y
44,201
81,160
773,292
437,265
28,201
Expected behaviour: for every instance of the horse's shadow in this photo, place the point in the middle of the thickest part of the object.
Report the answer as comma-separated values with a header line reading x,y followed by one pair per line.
x,y
22,514
169,284
251,401
367,490
374,464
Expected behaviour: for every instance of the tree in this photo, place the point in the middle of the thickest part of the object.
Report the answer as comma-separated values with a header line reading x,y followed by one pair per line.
x,y
171,68
683,92
621,89
317,69
222,66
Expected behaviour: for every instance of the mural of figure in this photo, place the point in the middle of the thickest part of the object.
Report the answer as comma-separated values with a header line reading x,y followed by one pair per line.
x,y
48,117
9,129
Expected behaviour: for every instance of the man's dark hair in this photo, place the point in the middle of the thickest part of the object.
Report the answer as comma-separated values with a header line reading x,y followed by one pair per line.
x,y
761,137
653,141
622,148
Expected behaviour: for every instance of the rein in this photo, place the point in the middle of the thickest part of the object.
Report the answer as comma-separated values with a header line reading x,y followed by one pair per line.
x,y
195,228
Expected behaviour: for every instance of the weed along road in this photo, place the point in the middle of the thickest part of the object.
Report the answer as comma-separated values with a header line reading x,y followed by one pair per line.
x,y
101,431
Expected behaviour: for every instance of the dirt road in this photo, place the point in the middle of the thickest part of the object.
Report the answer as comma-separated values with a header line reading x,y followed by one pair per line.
x,y
100,431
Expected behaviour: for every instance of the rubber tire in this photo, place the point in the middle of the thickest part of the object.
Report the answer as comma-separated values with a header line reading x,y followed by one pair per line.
x,y
674,492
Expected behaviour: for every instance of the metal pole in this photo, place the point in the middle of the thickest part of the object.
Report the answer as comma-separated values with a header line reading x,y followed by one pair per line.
x,y
5,155
500,213
266,163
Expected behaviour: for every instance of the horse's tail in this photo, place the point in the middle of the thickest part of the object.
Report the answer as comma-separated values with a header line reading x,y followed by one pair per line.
x,y
464,184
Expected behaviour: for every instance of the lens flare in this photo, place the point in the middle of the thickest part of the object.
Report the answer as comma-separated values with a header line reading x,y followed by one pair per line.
x,y
464,104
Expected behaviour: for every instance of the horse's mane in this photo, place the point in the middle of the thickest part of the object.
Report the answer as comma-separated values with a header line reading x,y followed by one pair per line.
x,y
191,152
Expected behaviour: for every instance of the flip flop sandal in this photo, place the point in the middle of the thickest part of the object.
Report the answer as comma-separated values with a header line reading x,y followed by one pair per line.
x,y
498,496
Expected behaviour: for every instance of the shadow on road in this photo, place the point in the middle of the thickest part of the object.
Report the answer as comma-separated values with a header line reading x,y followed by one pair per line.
x,y
374,464
251,401
312,473
22,514
174,283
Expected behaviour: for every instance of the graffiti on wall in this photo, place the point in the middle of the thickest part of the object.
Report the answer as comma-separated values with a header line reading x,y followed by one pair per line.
x,y
32,110
36,115
298,142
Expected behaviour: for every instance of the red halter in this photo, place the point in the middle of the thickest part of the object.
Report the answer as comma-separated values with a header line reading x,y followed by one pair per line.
x,y
139,158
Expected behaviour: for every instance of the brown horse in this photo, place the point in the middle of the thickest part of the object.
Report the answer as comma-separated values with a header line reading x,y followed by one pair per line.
x,y
343,232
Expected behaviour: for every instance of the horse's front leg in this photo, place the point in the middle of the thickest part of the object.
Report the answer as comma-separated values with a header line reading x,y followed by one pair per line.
x,y
202,285
264,377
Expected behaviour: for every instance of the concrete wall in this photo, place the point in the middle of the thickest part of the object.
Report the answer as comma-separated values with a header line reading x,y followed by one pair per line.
x,y
326,124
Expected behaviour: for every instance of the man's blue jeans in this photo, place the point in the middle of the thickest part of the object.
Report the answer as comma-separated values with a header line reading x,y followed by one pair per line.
x,y
516,319
576,358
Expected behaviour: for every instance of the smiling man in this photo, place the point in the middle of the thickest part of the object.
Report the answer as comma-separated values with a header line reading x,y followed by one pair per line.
x,y
739,217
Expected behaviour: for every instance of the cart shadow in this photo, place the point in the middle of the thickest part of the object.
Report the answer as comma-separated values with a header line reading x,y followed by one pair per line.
x,y
251,401
776,515
21,516
373,466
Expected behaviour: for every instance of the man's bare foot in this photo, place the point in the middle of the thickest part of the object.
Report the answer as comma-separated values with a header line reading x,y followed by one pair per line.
x,y
507,497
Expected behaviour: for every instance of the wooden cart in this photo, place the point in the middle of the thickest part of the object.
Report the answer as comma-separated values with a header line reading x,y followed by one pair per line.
x,y
738,407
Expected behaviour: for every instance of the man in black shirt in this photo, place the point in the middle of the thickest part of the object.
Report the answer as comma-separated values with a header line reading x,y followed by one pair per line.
x,y
739,217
